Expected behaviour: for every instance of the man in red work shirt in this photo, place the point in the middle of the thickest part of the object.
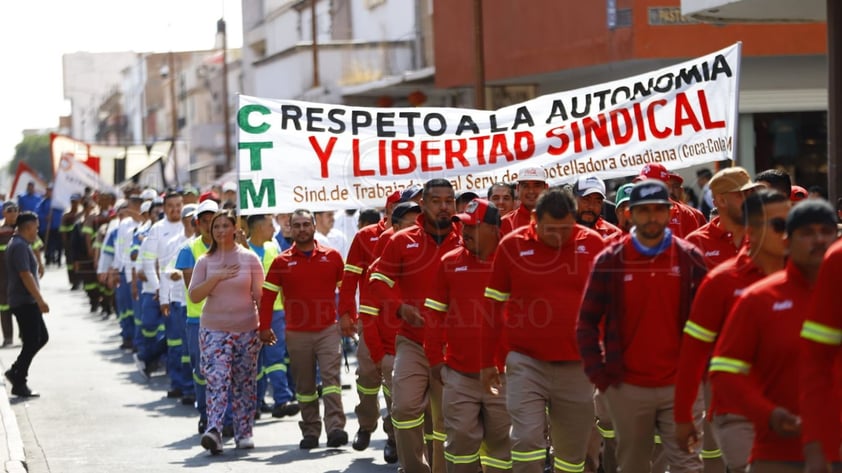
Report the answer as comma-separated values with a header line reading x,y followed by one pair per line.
x,y
473,418
360,256
721,238
629,329
764,254
379,329
756,361
821,350
682,221
531,182
539,276
590,194
402,279
308,274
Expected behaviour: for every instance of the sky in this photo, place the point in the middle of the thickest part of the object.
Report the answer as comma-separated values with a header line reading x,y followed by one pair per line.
x,y
35,34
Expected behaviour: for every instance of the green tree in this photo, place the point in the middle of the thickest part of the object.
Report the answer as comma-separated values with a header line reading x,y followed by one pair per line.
x,y
34,150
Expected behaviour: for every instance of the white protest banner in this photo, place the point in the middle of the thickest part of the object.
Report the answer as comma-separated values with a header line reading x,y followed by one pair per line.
x,y
327,157
72,177
23,176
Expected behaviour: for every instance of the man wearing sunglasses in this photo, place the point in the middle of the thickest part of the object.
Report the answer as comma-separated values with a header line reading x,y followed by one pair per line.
x,y
756,361
764,217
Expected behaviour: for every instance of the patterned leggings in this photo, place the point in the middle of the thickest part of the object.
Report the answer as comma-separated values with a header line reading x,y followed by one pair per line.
x,y
229,363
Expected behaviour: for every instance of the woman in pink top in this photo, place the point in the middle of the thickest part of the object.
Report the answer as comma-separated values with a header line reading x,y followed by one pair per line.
x,y
229,277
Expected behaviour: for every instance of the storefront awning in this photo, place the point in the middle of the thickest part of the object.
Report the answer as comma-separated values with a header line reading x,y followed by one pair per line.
x,y
755,11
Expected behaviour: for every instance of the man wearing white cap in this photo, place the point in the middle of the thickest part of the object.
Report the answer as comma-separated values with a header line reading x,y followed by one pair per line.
x,y
590,194
229,193
531,182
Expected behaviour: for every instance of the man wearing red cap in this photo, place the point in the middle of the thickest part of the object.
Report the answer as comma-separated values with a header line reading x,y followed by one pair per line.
x,y
682,220
629,329
473,418
538,278
402,279
360,256
764,254
531,182
756,361
721,238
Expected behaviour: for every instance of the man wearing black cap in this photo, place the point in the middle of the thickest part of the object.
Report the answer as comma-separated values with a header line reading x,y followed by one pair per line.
x,y
756,361
25,301
455,309
629,329
402,279
380,328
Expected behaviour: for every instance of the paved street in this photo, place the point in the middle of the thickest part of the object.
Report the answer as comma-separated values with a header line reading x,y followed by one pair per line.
x,y
97,414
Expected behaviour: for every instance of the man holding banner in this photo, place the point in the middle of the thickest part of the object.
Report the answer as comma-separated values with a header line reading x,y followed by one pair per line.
x,y
403,279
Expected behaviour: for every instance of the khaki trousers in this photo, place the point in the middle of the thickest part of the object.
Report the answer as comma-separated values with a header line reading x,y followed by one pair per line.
x,y
711,453
560,388
413,389
476,424
638,413
306,350
735,434
369,381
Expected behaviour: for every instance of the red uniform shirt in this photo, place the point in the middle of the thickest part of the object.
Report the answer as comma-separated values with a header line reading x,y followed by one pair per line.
x,y
716,244
682,220
406,271
542,289
756,359
309,288
458,300
520,217
379,326
648,332
711,306
821,348
606,229
360,255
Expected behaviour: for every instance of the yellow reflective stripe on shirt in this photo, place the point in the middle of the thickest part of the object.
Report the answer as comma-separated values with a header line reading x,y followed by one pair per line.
x,y
369,310
729,365
271,287
353,269
2,247
88,230
496,295
435,305
382,277
699,333
821,333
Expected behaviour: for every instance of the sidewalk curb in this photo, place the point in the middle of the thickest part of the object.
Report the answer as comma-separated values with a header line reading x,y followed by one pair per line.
x,y
16,461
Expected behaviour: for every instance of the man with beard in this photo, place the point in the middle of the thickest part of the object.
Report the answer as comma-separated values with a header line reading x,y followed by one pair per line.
x,y
721,238
629,329
764,253
474,418
590,195
756,361
402,280
537,281
308,274
622,204
530,183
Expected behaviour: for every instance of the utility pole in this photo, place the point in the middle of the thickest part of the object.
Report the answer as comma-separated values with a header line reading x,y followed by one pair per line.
x,y
229,157
174,113
479,58
313,25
